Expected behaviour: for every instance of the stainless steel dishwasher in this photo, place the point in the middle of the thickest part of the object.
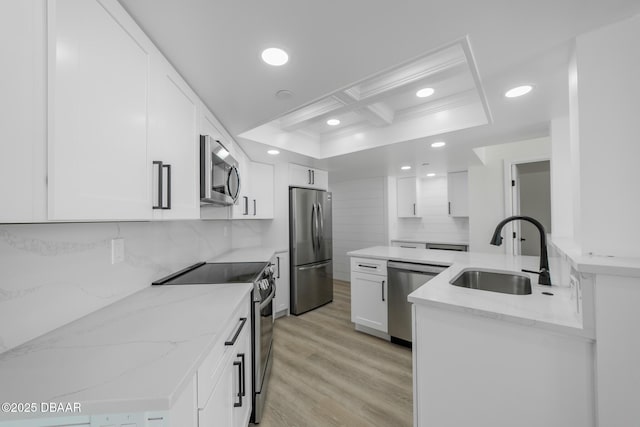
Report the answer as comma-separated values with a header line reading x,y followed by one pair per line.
x,y
404,278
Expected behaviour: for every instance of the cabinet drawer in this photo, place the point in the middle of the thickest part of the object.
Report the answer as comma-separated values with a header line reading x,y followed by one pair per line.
x,y
412,245
213,365
370,266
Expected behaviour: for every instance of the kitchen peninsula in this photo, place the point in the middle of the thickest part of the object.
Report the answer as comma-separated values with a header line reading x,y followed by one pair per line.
x,y
481,355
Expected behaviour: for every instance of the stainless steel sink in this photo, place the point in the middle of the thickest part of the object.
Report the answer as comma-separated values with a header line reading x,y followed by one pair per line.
x,y
503,282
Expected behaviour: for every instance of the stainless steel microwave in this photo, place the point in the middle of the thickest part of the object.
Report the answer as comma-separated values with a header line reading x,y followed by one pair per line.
x,y
219,175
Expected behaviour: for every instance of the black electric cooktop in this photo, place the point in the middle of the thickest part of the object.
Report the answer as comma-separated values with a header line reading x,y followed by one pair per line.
x,y
227,272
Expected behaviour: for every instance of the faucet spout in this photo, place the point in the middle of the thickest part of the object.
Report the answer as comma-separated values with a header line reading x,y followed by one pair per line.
x,y
544,278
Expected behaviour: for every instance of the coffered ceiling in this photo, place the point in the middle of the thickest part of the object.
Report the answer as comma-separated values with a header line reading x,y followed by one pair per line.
x,y
385,108
337,49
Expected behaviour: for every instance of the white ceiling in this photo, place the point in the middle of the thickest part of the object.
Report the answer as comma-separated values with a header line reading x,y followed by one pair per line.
x,y
216,46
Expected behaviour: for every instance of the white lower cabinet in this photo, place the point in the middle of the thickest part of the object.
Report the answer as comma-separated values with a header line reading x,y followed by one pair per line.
x,y
369,294
472,370
282,284
224,379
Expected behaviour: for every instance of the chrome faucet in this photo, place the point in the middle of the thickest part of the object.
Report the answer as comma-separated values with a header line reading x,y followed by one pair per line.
x,y
496,240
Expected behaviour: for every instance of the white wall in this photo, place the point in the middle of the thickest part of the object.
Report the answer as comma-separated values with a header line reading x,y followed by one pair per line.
x,y
561,177
359,220
608,66
535,201
52,274
435,224
487,188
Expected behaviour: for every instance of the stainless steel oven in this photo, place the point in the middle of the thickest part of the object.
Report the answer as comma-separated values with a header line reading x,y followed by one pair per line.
x,y
262,324
219,175
264,290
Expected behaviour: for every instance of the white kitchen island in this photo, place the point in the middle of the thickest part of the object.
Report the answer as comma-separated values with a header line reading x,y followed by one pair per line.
x,y
490,359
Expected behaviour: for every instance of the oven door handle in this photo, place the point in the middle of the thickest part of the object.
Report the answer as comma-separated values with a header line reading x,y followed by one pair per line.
x,y
267,301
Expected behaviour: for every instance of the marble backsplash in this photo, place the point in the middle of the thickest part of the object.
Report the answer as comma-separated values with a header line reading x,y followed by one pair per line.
x,y
52,274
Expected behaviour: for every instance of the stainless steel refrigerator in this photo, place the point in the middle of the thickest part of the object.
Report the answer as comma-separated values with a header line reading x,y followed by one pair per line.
x,y
310,248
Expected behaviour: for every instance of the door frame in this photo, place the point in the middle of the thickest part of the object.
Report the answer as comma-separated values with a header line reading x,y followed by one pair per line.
x,y
510,200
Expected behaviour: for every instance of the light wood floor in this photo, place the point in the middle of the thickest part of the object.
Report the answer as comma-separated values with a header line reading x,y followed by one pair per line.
x,y
327,374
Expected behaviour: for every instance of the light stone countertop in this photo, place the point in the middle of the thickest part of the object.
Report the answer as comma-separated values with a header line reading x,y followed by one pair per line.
x,y
615,266
251,254
436,241
135,355
557,313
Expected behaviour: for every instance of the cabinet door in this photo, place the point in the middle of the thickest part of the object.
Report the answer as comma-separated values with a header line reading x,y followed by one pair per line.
x,y
174,141
98,80
218,412
242,382
320,179
22,111
282,284
407,198
458,190
299,176
261,200
369,300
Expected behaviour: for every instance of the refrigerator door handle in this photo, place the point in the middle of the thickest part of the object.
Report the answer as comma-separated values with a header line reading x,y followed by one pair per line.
x,y
313,230
317,236
321,230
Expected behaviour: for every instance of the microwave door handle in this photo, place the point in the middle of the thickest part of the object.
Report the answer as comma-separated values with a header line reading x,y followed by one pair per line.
x,y
233,170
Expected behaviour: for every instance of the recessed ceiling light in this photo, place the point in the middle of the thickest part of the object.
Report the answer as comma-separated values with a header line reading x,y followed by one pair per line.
x,y
438,144
518,91
431,174
274,56
424,92
273,152
284,94
333,122
405,168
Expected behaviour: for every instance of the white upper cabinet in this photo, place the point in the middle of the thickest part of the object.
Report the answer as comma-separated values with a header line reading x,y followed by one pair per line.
x,y
261,191
302,176
174,144
408,190
23,111
98,83
458,190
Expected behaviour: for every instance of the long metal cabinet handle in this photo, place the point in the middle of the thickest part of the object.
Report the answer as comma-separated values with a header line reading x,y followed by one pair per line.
x,y
240,375
254,207
414,208
313,176
449,208
368,266
278,261
243,389
246,205
309,173
168,168
232,341
159,205
383,290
